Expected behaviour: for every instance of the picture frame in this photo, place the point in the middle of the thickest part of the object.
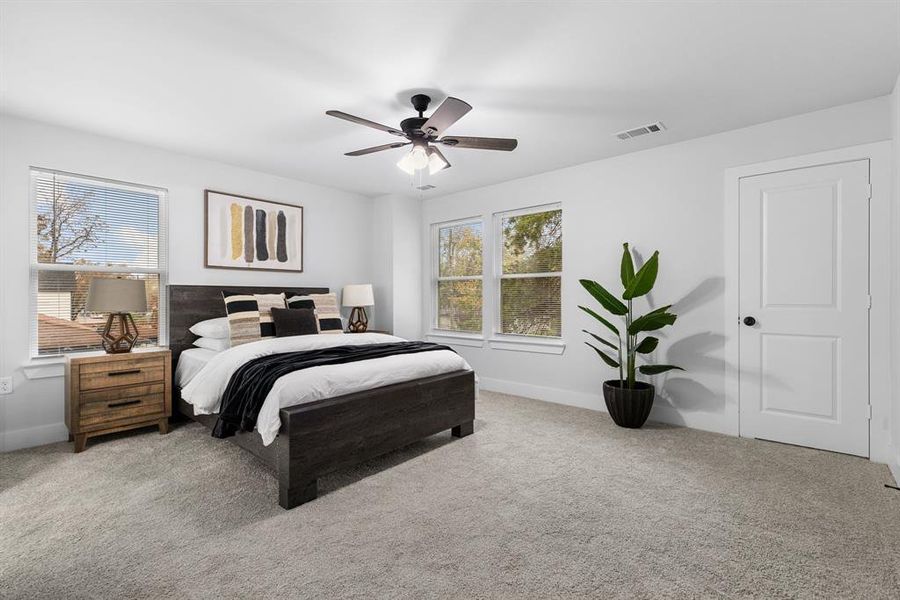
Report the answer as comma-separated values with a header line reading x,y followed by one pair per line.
x,y
242,232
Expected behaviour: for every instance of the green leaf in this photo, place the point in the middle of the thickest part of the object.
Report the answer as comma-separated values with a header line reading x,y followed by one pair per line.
x,y
647,345
651,322
607,300
601,340
657,369
606,357
627,266
644,279
611,327
661,309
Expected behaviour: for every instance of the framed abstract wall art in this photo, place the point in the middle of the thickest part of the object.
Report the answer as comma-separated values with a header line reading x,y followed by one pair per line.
x,y
250,233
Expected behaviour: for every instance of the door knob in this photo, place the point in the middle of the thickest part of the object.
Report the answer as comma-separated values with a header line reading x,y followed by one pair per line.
x,y
749,321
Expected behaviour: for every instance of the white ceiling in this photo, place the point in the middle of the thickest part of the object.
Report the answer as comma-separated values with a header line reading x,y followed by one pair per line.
x,y
248,84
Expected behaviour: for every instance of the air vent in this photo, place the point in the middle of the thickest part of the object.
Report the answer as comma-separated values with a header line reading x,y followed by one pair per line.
x,y
426,187
639,131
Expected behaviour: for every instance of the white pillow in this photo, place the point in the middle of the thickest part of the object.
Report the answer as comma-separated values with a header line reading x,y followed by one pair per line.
x,y
211,328
215,344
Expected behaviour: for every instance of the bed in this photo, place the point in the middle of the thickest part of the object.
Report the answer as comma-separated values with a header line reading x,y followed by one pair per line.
x,y
326,434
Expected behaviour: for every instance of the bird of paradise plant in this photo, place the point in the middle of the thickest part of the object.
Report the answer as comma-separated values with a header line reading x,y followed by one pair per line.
x,y
626,344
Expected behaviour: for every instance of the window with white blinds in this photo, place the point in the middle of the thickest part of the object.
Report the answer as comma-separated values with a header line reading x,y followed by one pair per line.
x,y
529,281
458,283
83,228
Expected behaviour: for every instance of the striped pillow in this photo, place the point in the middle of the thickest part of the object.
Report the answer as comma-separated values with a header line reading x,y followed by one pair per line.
x,y
266,303
328,313
300,302
243,317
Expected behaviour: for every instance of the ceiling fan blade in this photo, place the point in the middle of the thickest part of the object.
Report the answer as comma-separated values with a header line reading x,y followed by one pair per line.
x,y
377,149
449,112
361,121
480,143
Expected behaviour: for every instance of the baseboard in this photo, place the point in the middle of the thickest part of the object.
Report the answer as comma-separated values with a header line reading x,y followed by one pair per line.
x,y
895,471
893,463
547,394
662,413
35,436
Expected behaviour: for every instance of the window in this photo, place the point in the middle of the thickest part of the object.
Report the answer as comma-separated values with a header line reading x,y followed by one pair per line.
x,y
530,271
84,228
459,277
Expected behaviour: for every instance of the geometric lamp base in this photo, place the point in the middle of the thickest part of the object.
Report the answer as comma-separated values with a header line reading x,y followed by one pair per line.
x,y
125,337
359,321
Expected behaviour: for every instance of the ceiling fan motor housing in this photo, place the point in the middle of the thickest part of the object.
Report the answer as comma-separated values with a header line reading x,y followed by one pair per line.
x,y
413,126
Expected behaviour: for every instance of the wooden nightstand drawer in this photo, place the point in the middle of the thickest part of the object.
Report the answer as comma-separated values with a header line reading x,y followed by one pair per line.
x,y
121,393
113,392
102,413
101,376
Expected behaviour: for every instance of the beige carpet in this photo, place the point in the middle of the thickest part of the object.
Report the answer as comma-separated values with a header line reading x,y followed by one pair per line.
x,y
543,501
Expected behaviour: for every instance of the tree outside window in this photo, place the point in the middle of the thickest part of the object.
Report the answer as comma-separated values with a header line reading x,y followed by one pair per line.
x,y
531,273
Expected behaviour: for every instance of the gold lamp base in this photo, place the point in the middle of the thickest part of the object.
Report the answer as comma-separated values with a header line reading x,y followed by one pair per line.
x,y
123,341
359,322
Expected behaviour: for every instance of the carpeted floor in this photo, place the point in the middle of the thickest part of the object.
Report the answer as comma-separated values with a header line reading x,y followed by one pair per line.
x,y
543,501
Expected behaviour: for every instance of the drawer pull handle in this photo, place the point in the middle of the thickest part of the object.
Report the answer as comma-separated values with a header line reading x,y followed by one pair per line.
x,y
125,403
117,373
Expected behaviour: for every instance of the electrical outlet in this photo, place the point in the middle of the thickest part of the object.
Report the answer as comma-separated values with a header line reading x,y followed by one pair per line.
x,y
5,385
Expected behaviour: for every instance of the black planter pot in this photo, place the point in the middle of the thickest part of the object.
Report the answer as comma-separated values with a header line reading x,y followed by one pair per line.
x,y
628,407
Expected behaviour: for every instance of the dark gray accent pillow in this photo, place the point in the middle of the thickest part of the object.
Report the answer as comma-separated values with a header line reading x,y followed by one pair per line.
x,y
295,321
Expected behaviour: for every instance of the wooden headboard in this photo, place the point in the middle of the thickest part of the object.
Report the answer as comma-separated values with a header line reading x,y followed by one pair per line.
x,y
190,304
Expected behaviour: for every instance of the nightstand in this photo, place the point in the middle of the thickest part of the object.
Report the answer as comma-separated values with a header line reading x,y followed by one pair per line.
x,y
106,393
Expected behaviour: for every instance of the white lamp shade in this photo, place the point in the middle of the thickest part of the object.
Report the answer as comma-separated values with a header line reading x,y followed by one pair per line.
x,y
358,295
116,296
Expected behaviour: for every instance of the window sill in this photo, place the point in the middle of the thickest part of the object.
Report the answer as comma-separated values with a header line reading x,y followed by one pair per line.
x,y
456,339
45,368
527,344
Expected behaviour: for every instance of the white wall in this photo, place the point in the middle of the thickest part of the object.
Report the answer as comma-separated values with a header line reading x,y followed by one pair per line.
x,y
382,263
895,281
337,245
396,255
671,199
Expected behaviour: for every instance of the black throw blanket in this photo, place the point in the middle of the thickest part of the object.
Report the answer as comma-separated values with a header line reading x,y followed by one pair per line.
x,y
252,382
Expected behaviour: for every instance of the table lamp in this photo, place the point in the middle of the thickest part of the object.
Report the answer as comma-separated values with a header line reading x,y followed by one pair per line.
x,y
358,296
119,298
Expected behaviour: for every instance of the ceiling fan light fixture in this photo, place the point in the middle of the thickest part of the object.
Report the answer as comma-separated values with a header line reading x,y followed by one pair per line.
x,y
417,158
405,164
435,162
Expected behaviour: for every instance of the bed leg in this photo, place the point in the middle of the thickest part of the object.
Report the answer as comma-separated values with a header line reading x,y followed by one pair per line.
x,y
463,429
291,497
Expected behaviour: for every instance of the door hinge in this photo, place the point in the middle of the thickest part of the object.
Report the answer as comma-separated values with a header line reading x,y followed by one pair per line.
x,y
869,191
869,412
869,301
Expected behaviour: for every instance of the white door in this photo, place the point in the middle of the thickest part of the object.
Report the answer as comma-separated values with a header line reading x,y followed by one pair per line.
x,y
804,302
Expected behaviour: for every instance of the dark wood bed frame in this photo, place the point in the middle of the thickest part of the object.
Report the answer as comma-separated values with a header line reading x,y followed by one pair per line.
x,y
319,437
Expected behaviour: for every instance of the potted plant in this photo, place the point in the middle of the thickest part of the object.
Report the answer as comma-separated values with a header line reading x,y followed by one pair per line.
x,y
629,401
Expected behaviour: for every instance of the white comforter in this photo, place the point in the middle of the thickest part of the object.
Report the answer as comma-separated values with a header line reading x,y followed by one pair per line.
x,y
205,389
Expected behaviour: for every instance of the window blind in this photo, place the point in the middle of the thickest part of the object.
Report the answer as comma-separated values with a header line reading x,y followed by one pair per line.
x,y
530,282
459,277
84,228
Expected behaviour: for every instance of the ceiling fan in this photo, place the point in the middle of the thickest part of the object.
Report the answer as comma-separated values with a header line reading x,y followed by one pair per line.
x,y
423,133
